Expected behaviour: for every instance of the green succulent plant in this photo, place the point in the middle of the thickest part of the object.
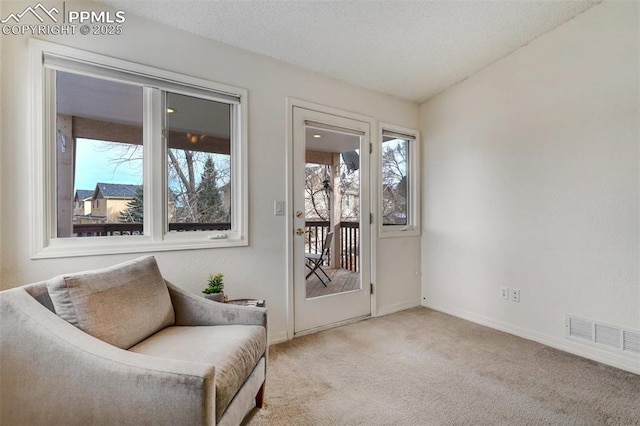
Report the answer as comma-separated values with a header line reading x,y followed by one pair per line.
x,y
215,284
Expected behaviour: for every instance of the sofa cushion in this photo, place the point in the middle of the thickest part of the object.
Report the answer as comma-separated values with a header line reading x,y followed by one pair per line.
x,y
121,305
234,350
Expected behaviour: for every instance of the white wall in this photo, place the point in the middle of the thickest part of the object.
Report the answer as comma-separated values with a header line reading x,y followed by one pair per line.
x,y
532,182
2,9
256,271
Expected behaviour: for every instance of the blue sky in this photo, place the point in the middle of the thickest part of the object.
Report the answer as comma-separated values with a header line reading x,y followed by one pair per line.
x,y
96,162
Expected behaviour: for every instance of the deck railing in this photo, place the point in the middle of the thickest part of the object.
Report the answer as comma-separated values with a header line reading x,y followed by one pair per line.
x,y
349,242
316,234
110,229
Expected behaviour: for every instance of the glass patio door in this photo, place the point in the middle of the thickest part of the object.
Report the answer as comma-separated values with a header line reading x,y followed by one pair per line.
x,y
331,224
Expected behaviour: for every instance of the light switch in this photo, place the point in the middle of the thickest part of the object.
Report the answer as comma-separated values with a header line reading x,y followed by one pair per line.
x,y
278,208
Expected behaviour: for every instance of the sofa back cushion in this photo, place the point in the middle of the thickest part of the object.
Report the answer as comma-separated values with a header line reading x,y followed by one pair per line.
x,y
121,305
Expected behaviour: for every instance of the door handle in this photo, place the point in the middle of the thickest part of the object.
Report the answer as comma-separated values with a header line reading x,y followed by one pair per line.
x,y
300,232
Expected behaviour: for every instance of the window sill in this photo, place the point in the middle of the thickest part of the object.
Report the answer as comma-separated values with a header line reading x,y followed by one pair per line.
x,y
398,232
72,247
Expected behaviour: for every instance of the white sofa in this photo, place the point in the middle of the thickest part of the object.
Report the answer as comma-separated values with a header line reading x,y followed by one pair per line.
x,y
121,346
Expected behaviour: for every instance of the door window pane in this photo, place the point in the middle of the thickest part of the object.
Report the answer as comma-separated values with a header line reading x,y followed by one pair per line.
x,y
332,212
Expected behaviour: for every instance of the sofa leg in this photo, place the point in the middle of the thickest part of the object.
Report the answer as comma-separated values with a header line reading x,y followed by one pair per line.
x,y
260,396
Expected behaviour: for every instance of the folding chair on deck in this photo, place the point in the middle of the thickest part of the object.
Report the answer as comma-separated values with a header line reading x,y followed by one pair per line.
x,y
314,261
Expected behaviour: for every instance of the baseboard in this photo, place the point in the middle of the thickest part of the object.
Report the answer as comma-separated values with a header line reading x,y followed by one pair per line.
x,y
396,307
278,337
282,336
332,325
593,353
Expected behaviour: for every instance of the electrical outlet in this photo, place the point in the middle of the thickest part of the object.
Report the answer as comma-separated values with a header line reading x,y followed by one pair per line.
x,y
504,293
515,295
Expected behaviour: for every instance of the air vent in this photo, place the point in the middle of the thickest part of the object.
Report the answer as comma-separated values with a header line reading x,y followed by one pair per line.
x,y
580,329
606,335
603,335
631,342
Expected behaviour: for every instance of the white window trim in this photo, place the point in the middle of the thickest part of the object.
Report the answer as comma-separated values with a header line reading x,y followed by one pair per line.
x,y
42,166
412,228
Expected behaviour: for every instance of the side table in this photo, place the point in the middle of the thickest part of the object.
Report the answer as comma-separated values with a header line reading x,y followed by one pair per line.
x,y
260,303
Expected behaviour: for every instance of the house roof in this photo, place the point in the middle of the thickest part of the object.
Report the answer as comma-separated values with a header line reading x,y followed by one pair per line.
x,y
83,194
115,190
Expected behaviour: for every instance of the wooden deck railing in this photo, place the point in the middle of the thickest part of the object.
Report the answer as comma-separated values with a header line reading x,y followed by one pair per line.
x,y
317,232
109,229
349,242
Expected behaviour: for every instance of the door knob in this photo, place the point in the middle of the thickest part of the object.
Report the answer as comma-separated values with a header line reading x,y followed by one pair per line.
x,y
300,232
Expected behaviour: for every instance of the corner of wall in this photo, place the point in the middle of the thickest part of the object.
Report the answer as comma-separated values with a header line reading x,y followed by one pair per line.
x,y
532,182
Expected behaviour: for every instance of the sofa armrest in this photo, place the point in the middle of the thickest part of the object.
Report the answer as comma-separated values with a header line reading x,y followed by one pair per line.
x,y
192,310
54,373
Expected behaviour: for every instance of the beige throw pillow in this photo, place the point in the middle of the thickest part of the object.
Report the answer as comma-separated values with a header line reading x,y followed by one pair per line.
x,y
121,305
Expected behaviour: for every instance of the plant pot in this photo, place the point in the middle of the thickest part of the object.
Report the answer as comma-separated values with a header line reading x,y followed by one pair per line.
x,y
216,297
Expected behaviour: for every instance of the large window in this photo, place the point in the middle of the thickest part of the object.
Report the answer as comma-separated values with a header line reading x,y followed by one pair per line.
x,y
130,158
399,205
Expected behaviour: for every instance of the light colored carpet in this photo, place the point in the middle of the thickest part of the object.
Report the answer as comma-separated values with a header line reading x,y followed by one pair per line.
x,y
422,367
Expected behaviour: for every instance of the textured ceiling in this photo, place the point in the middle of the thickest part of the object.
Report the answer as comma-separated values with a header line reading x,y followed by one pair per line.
x,y
408,49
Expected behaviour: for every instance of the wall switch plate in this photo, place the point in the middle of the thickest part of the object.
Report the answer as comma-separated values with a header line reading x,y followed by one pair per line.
x,y
278,208
504,293
515,295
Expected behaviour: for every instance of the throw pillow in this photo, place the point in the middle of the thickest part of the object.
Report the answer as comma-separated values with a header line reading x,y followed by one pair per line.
x,y
121,305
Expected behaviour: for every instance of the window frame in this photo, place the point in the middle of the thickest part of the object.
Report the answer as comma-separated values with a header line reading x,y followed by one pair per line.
x,y
412,228
155,81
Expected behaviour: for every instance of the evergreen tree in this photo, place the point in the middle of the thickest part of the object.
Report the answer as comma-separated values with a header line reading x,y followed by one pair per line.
x,y
209,202
135,208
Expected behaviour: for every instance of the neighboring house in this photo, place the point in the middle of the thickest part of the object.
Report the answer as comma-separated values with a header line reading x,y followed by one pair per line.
x,y
110,199
351,205
82,202
394,203
103,204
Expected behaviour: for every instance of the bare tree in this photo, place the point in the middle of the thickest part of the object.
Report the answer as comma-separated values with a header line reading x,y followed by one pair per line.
x,y
317,197
318,192
394,183
185,171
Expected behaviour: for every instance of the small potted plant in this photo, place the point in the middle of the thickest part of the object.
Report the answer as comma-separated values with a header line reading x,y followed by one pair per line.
x,y
214,288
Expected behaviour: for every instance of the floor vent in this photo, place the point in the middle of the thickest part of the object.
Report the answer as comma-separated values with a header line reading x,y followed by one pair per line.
x,y
580,329
606,335
603,335
631,342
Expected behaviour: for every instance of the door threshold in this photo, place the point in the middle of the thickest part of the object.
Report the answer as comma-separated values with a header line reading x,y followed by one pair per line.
x,y
330,326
